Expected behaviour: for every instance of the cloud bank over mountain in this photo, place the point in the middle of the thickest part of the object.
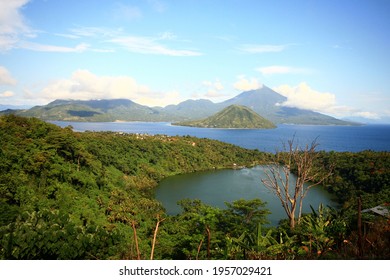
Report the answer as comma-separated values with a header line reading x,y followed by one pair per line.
x,y
160,52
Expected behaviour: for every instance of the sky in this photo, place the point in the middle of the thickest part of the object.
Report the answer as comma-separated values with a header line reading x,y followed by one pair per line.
x,y
330,56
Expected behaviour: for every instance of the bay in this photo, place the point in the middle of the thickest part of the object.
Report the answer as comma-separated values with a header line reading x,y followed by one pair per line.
x,y
329,138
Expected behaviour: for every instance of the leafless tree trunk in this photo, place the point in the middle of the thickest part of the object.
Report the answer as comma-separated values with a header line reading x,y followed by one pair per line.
x,y
133,224
360,235
208,241
198,251
302,163
155,235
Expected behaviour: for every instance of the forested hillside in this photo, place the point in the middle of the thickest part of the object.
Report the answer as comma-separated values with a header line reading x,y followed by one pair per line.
x,y
76,195
70,195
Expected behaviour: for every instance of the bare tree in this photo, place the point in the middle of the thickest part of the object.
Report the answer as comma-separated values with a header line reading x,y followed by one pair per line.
x,y
302,163
155,235
133,225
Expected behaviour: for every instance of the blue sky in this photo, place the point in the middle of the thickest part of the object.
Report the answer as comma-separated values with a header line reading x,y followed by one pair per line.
x,y
329,56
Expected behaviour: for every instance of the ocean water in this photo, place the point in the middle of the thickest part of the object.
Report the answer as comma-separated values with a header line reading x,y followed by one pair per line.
x,y
329,138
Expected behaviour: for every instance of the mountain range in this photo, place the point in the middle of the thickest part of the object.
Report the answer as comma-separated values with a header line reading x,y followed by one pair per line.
x,y
233,116
264,101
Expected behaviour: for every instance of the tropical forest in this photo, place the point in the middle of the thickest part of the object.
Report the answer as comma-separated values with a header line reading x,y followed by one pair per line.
x,y
68,195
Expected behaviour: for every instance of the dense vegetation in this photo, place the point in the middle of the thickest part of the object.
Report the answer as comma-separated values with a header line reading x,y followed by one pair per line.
x,y
69,195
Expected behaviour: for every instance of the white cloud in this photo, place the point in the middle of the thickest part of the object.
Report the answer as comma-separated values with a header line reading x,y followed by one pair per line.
x,y
149,45
244,84
12,23
167,35
136,44
252,48
6,94
278,69
65,35
304,97
213,89
367,115
14,31
217,85
51,48
5,77
347,111
95,32
85,85
160,98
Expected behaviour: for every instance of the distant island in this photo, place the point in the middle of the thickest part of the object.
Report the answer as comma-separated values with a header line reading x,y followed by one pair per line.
x,y
233,116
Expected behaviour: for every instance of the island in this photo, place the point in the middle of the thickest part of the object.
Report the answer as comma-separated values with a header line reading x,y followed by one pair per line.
x,y
233,116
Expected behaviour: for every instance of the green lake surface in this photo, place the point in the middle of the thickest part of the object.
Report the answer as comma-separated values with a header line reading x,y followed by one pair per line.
x,y
217,187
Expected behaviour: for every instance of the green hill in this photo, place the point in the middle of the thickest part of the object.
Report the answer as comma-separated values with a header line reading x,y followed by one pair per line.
x,y
234,116
105,110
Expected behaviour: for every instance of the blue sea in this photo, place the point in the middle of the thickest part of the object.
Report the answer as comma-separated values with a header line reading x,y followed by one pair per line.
x,y
329,138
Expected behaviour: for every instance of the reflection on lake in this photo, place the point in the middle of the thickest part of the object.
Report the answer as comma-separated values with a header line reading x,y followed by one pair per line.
x,y
217,187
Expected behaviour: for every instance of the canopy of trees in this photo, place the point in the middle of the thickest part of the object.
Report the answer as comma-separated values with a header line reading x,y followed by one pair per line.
x,y
69,195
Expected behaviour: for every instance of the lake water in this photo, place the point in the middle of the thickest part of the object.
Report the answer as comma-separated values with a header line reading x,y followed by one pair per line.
x,y
336,138
216,187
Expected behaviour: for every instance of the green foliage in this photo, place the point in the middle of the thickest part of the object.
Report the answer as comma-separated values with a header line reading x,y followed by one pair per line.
x,y
262,243
244,216
52,235
69,195
365,174
316,231
199,222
